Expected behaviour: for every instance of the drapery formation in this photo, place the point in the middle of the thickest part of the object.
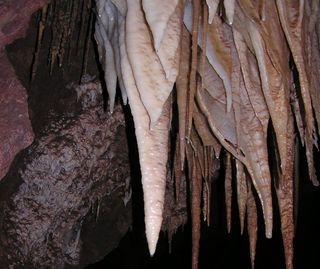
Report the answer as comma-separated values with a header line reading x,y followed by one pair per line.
x,y
232,67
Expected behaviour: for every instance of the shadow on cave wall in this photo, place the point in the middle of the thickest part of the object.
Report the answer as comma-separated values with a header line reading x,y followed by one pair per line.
x,y
93,223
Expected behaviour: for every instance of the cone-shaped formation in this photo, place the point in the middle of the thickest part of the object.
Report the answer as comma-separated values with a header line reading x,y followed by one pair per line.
x,y
235,85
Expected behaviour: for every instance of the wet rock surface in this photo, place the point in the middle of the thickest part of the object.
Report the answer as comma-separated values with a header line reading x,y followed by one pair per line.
x,y
66,201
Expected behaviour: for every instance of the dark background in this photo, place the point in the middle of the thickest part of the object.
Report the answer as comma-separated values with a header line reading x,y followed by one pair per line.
x,y
219,249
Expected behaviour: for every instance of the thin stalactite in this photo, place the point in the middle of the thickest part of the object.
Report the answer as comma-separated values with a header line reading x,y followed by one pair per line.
x,y
195,206
235,81
193,65
228,189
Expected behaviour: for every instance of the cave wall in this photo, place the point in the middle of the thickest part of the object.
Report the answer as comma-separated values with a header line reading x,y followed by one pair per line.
x,y
15,128
66,198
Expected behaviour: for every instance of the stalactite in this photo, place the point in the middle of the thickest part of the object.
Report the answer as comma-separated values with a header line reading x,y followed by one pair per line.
x,y
182,85
234,81
228,189
195,207
41,27
68,22
242,193
245,78
193,66
252,224
87,40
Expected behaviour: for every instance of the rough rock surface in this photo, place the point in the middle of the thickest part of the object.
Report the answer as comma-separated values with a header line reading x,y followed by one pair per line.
x,y
15,127
66,200
73,181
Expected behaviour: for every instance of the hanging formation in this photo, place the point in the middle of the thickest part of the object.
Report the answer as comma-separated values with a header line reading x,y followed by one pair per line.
x,y
232,66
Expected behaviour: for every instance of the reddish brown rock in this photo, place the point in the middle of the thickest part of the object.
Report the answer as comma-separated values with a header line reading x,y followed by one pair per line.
x,y
14,18
15,127
66,201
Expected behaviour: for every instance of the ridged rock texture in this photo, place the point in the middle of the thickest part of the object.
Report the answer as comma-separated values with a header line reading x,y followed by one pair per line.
x,y
66,199
73,180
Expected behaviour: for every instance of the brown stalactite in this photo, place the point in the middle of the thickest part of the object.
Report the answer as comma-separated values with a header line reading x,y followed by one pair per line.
x,y
285,199
242,193
193,65
204,38
228,189
177,168
262,9
252,224
236,88
235,80
208,154
285,202
201,125
41,27
182,85
205,203
195,206
294,18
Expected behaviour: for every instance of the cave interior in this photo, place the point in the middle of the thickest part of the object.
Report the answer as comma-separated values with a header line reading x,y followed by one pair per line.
x,y
71,196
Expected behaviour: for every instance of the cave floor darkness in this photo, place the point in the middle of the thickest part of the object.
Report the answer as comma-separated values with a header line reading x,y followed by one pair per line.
x,y
223,251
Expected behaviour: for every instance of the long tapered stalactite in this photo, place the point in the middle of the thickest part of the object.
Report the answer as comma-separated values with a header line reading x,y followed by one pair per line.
x,y
228,64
